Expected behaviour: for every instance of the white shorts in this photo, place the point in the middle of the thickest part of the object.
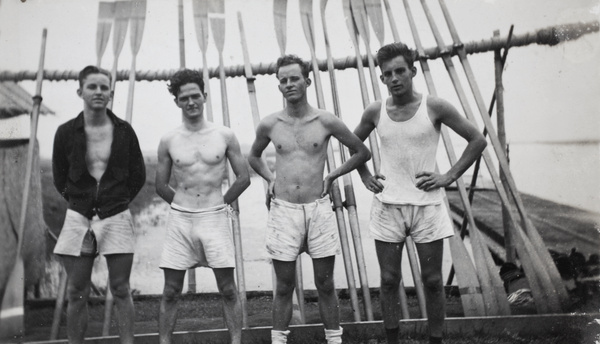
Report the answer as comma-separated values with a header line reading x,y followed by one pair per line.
x,y
114,235
295,228
198,238
424,223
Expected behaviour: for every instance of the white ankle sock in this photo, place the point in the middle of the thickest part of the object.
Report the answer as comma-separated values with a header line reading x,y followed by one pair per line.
x,y
334,336
279,337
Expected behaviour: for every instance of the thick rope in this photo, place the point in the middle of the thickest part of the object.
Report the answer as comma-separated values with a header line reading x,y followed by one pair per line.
x,y
547,36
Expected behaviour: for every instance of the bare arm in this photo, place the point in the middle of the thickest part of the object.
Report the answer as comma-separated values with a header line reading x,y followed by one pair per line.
x,y
258,163
347,138
449,116
362,131
239,167
163,172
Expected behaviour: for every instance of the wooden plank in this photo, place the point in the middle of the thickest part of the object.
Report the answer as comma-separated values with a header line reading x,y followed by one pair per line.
x,y
106,13
200,8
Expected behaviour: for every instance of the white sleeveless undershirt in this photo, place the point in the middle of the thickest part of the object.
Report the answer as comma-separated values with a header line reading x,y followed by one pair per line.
x,y
407,148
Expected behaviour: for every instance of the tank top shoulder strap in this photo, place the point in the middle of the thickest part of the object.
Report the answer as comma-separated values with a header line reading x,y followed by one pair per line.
x,y
383,115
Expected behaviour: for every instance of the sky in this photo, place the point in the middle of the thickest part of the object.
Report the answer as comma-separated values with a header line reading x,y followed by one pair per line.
x,y
551,93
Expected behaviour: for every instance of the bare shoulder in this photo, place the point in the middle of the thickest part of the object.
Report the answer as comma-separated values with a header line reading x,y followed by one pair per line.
x,y
372,111
170,136
326,117
439,107
267,123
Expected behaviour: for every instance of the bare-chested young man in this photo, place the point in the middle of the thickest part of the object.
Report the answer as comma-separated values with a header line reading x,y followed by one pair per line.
x,y
408,198
301,217
98,168
198,228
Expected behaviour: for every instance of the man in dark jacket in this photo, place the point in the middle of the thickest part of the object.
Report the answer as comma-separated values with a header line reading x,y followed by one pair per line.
x,y
98,168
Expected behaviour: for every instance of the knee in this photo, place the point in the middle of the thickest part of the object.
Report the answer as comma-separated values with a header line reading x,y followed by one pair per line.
x,y
433,282
390,281
228,292
325,285
120,290
284,287
77,293
171,293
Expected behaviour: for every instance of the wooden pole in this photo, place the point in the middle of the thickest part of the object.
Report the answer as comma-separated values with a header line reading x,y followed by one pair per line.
x,y
106,14
217,21
347,180
557,285
122,13
201,24
13,311
499,93
191,272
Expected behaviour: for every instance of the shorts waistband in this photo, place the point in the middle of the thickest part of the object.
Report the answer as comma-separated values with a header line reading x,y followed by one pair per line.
x,y
287,204
181,209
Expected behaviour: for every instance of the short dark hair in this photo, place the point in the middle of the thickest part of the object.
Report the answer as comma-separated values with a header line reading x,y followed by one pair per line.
x,y
92,70
183,77
291,59
390,51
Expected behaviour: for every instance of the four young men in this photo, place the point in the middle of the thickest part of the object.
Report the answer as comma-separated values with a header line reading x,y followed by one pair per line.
x,y
99,169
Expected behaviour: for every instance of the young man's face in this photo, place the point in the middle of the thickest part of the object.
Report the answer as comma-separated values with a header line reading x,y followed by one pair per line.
x,y
397,75
190,100
95,91
292,84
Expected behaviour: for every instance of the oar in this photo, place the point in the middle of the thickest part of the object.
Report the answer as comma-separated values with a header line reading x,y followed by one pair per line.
x,y
280,22
138,18
201,23
392,21
347,179
12,312
469,285
530,229
356,10
192,271
463,227
539,280
106,14
122,13
180,30
217,22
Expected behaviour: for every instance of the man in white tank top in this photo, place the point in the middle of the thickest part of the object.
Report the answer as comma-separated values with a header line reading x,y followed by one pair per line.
x,y
408,195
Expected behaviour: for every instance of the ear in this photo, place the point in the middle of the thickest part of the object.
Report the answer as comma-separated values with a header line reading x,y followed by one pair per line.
x,y
79,92
381,77
308,82
414,71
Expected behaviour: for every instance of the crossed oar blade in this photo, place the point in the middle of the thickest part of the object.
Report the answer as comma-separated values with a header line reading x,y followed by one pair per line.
x,y
106,14
279,17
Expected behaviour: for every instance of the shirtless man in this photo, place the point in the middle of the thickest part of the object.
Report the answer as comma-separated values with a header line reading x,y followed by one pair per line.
x,y
98,168
301,217
198,228
409,197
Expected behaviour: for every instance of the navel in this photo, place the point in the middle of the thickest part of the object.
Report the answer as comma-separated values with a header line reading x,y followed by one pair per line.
x,y
315,144
278,146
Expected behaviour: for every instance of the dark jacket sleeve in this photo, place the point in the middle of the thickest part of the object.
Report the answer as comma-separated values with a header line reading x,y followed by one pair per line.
x,y
137,168
60,163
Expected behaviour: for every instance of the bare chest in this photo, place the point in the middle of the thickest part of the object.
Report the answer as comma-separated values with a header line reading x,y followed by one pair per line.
x,y
207,150
308,138
98,145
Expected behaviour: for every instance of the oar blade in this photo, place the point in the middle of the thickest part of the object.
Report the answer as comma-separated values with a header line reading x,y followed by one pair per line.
x,y
216,16
306,15
122,14
350,24
106,14
375,14
138,19
360,15
200,8
280,18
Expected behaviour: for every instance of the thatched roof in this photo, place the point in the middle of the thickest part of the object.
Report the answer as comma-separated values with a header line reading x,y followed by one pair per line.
x,y
14,101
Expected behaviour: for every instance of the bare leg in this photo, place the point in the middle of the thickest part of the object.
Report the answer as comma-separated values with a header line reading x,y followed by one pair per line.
x,y
389,256
168,304
430,257
231,303
119,270
328,303
79,271
285,273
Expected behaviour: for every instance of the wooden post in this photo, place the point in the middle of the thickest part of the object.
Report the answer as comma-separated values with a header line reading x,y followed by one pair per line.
x,y
499,92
